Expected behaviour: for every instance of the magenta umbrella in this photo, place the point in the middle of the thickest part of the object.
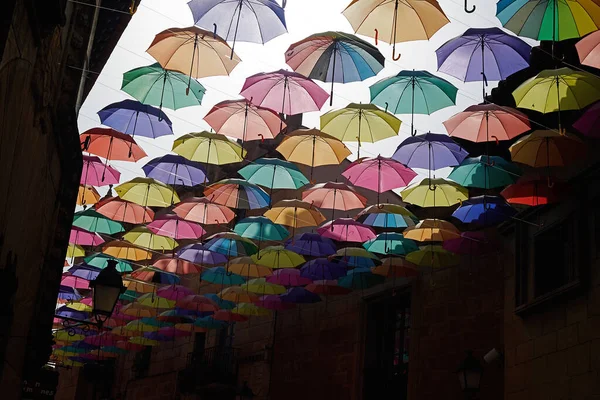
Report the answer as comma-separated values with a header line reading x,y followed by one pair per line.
x,y
103,339
177,228
174,292
347,230
471,242
93,172
84,238
288,277
273,302
173,332
379,174
74,282
589,122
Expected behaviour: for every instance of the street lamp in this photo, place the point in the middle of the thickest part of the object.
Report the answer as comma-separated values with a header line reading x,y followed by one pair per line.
x,y
469,374
106,288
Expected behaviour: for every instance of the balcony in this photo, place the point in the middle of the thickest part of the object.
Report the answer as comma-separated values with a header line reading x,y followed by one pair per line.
x,y
212,371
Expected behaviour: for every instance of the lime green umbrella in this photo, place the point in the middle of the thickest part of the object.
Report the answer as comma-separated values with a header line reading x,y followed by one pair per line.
x,y
434,193
208,148
278,257
390,243
160,87
92,221
250,309
486,172
144,237
147,192
262,287
274,173
154,301
99,260
434,256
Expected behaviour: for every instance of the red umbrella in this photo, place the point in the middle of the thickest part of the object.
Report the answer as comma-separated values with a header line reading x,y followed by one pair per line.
x,y
334,195
329,288
196,303
347,230
203,211
533,192
111,145
177,266
124,211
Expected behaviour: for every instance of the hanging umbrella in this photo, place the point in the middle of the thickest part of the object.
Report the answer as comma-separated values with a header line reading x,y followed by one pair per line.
x,y
532,192
208,148
124,211
334,57
327,288
284,92
396,267
100,260
93,171
323,148
220,276
151,300
482,55
484,211
92,221
231,244
84,238
334,195
396,21
228,316
74,282
175,170
276,257
237,295
357,257
176,266
288,277
134,118
237,193
139,287
175,317
274,302
255,21
273,173
87,195
487,122
148,274
385,215
434,193
546,148
554,20
379,174
147,192
110,145
243,120
161,87
67,294
589,122
79,306
142,341
174,292
209,323
390,244
360,123
172,226
432,230
311,244
263,287
250,310
196,303
198,254
295,213
144,237
299,295
126,251
261,229
203,211
222,304
588,49
323,269
360,278
486,172
346,230
430,151
472,243
413,92
433,256
245,266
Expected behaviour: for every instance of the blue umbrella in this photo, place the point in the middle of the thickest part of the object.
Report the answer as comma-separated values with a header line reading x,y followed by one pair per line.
x,y
299,295
67,312
360,278
209,323
430,151
220,276
69,293
311,244
85,271
176,170
484,211
323,269
134,118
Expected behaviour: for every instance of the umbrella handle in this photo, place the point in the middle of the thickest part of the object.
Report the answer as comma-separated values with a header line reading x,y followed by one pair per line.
x,y
550,183
132,8
472,10
283,3
376,36
380,206
459,202
394,56
496,139
262,138
215,31
386,106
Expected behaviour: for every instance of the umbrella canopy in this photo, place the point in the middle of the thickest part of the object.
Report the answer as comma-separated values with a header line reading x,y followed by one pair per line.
x,y
487,122
430,151
242,120
295,213
92,221
390,244
357,257
245,266
276,257
532,192
209,323
558,90
432,230
94,170
588,49
273,302
237,193
172,226
334,195
433,256
288,277
546,148
196,302
284,92
311,244
111,145
263,287
387,216
484,211
84,238
589,122
236,295
327,288
472,243
161,87
396,267
87,195
229,316
231,244
346,230
147,192
135,118
250,310
203,211
67,294
176,266
175,170
74,282
220,276
260,228
549,20
335,57
124,211
139,287
198,254
84,271
274,173
149,274
154,301
323,268
486,172
99,260
360,278
126,251
208,148
174,292
299,295
434,193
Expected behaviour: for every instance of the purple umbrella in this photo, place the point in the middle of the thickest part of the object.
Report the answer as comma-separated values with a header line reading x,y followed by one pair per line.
x,y
323,269
311,244
471,242
589,122
175,170
82,270
299,295
68,293
430,151
484,211
198,254
483,54
134,118
67,312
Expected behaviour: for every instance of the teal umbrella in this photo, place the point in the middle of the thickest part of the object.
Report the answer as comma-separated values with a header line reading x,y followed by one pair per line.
x,y
486,172
274,174
220,276
92,221
390,243
413,92
209,323
360,278
99,260
151,321
161,87
129,295
261,229
231,244
222,304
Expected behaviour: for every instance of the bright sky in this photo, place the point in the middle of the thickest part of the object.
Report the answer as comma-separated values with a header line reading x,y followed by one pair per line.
x,y
304,17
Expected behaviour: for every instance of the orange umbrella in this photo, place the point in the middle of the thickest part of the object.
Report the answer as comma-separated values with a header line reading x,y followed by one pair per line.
x,y
87,195
432,230
203,211
126,251
396,267
177,266
334,195
124,211
111,145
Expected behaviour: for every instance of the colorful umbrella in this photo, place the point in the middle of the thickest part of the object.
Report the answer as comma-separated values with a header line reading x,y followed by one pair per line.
x,y
245,266
396,267
209,323
220,276
196,303
142,341
288,277
84,271
208,148
87,195
203,211
273,302
175,317
250,310
357,257
311,244
433,256
176,266
74,282
92,221
263,287
273,173
198,254
589,122
295,213
175,170
134,118
237,193
334,57
228,316
360,278
154,301
231,244
327,288
161,87
430,151
67,294
390,244
99,260
276,257
139,287
434,193
484,211
413,92
111,145
432,230
588,49
299,295
172,226
532,192
472,242
486,172
148,274
346,230
120,210
323,269
138,311
236,295
261,229
147,192
97,173
84,238
174,292
386,215
126,251
334,195
547,148
222,304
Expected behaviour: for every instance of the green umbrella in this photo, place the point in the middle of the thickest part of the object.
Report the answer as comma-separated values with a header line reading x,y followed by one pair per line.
x,y
274,174
129,295
486,172
155,322
99,260
92,221
160,87
413,92
261,229
390,244
360,278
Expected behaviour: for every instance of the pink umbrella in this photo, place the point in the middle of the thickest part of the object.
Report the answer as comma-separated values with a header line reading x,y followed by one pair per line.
x,y
177,266
475,242
379,174
589,122
273,302
327,287
347,230
175,227
334,195
288,277
173,332
84,238
487,122
174,292
93,169
203,211
242,120
196,302
74,282
227,315
284,92
120,210
87,301
103,339
588,49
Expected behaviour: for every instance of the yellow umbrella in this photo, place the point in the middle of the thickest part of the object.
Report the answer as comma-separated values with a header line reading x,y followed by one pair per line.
x,y
278,257
122,331
144,341
147,192
138,310
139,287
143,237
237,295
79,306
75,250
208,148
87,195
64,336
262,287
295,213
190,328
126,251
432,230
546,148
139,326
432,256
154,301
250,309
434,193
245,266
